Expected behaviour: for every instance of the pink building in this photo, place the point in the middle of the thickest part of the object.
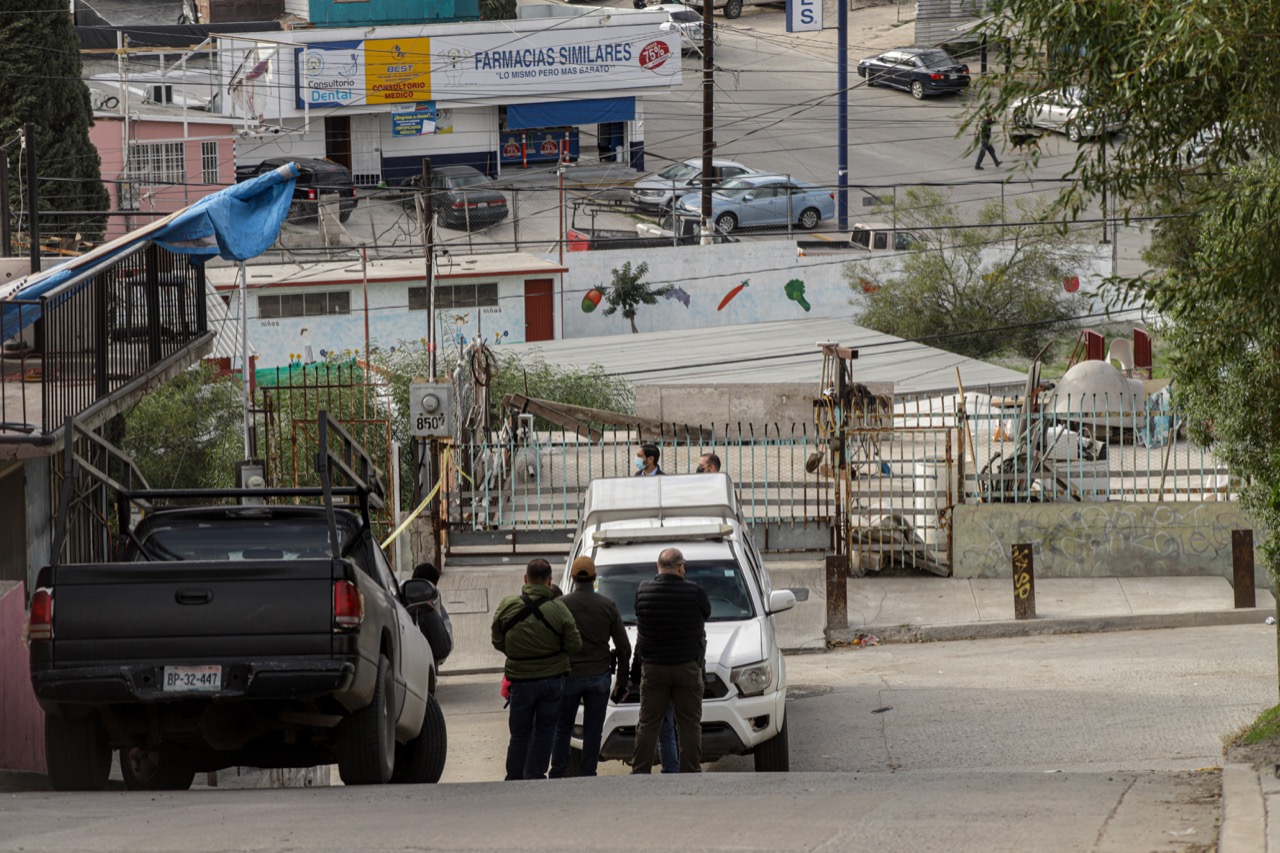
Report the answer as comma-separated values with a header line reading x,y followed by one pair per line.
x,y
156,164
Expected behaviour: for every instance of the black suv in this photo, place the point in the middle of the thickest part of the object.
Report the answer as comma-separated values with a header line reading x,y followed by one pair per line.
x,y
316,178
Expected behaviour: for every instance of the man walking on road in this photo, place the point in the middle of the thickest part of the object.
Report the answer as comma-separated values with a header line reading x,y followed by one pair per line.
x,y
587,684
671,616
984,141
537,634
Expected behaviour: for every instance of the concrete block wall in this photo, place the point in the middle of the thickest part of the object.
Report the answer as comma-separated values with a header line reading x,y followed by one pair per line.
x,y
1116,539
21,720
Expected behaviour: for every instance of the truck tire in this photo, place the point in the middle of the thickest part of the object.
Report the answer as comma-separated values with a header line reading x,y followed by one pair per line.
x,y
367,738
774,755
153,770
421,760
76,752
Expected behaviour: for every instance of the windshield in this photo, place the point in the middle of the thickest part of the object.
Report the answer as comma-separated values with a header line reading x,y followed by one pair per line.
x,y
679,172
240,539
688,16
721,580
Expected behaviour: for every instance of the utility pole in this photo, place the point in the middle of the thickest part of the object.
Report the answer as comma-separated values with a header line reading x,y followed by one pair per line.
x,y
708,117
33,194
842,118
430,465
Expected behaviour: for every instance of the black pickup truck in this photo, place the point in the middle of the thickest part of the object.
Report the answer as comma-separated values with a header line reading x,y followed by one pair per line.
x,y
253,634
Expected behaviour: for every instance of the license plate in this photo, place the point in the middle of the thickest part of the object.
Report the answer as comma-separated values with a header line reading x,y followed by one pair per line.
x,y
192,679
483,204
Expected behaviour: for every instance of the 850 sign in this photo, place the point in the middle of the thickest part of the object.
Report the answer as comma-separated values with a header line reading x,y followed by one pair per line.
x,y
430,409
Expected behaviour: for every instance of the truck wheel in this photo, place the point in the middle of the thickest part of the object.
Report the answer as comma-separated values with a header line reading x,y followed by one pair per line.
x,y
153,770
421,760
774,756
76,752
733,9
367,738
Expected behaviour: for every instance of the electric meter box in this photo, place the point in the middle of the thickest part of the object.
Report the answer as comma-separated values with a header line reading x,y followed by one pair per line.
x,y
430,408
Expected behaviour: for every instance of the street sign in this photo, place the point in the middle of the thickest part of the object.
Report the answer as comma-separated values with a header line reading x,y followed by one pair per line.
x,y
430,408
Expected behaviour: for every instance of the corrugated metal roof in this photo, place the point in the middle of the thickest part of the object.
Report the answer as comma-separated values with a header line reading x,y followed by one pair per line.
x,y
782,351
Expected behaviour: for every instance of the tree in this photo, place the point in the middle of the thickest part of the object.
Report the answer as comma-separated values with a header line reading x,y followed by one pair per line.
x,y
629,291
40,83
188,433
1176,70
985,290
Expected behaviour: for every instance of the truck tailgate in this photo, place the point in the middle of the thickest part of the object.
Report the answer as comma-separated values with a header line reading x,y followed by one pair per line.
x,y
191,611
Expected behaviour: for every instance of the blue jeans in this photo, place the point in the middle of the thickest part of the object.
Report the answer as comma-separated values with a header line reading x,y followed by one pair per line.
x,y
592,691
535,705
668,746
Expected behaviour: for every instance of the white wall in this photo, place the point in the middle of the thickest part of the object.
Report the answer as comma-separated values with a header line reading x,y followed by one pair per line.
x,y
707,274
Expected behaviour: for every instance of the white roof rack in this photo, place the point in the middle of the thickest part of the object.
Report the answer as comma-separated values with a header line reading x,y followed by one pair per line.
x,y
675,533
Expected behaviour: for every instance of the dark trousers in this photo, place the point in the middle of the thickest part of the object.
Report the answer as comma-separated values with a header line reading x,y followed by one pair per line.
x,y
670,684
592,692
985,148
668,748
535,707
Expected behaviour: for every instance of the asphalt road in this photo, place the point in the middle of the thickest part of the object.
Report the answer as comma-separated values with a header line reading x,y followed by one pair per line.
x,y
1055,743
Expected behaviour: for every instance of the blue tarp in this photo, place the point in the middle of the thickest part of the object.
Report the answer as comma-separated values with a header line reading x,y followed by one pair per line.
x,y
566,113
238,223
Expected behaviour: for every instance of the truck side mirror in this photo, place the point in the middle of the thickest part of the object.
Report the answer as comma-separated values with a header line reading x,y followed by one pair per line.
x,y
419,591
780,600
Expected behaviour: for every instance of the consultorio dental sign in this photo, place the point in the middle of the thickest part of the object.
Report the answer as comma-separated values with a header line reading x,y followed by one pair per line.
x,y
375,72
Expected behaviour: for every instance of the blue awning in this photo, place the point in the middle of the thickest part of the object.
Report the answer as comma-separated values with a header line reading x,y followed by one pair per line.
x,y
562,113
237,223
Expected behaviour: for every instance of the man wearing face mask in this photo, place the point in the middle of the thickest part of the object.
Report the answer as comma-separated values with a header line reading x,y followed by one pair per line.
x,y
709,464
646,461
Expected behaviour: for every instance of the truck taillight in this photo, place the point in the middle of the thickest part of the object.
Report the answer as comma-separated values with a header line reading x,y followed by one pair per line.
x,y
348,606
40,626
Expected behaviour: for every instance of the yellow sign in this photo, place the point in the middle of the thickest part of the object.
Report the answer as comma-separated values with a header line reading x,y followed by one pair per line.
x,y
397,71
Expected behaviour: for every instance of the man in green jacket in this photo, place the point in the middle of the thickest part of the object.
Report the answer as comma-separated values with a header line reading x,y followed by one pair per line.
x,y
537,634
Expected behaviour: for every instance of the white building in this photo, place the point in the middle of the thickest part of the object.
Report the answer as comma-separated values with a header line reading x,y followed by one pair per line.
x,y
305,313
488,94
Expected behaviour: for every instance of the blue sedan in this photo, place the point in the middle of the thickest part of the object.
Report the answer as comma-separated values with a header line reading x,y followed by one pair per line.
x,y
762,200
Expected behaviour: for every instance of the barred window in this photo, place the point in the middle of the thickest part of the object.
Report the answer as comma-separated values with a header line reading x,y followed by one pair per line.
x,y
304,304
151,165
456,296
209,162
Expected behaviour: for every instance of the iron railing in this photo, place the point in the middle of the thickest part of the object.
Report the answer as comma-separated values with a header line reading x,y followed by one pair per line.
x,y
101,331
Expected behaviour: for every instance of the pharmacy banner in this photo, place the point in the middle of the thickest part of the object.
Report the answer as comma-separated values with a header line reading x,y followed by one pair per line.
x,y
401,71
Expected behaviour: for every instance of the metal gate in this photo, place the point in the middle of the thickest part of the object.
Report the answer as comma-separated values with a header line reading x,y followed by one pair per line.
x,y
903,476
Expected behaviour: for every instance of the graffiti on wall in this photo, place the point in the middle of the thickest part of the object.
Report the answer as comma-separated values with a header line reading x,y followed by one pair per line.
x,y
1126,539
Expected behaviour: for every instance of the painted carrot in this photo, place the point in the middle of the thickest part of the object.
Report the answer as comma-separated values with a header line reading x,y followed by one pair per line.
x,y
728,297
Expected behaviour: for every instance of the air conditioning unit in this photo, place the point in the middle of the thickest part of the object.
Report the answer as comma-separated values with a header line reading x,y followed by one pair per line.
x,y
160,93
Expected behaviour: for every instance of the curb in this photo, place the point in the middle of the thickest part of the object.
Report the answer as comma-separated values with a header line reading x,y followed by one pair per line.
x,y
1069,625
1244,814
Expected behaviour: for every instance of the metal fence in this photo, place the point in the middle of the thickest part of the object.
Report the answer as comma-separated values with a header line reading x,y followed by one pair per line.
x,y
98,332
889,496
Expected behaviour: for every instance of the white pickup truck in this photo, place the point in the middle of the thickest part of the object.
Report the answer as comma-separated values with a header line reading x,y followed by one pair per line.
x,y
626,522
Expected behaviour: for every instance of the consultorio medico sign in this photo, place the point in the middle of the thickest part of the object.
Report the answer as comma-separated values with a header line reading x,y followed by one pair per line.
x,y
391,71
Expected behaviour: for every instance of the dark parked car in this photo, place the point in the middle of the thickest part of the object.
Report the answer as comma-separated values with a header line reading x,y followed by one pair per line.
x,y
922,71
463,198
316,179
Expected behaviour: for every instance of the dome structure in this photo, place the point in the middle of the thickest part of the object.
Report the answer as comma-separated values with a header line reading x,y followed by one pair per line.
x,y
1097,392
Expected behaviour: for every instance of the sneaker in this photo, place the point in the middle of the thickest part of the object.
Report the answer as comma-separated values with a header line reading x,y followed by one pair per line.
x,y
979,167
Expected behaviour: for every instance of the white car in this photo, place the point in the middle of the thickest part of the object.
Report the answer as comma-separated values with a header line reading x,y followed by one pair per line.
x,y
660,190
688,22
626,523
1066,111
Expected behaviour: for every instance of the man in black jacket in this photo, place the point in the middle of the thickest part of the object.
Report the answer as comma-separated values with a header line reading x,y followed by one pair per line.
x,y
587,684
671,616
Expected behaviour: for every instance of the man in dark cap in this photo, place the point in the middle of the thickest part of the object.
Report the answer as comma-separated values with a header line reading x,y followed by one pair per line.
x,y
587,684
